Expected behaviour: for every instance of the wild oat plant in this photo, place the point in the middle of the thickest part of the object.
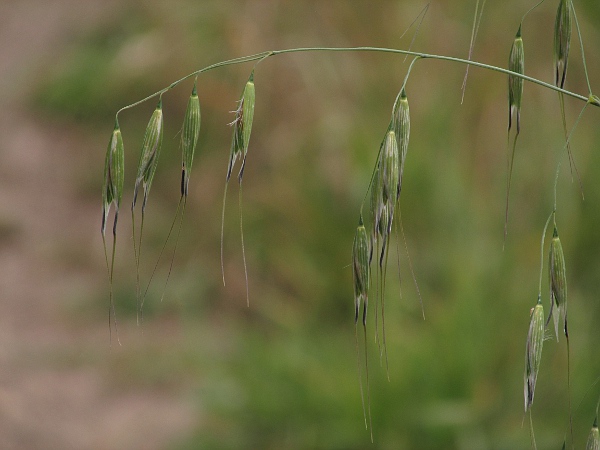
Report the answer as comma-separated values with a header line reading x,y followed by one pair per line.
x,y
372,241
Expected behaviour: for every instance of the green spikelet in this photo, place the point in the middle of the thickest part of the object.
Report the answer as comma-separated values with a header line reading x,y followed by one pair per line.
x,y
114,174
361,271
149,155
242,127
562,41
189,139
533,352
516,63
401,127
557,278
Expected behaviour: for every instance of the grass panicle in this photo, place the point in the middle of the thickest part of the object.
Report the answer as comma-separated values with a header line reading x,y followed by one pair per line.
x,y
516,63
558,284
242,128
112,193
533,352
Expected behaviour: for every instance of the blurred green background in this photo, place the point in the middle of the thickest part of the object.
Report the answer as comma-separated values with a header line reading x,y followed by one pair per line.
x,y
204,370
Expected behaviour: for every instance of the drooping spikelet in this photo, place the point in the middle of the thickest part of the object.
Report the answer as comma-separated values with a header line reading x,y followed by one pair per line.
x,y
189,139
242,127
593,442
562,41
114,174
516,63
558,283
149,155
533,352
401,126
361,271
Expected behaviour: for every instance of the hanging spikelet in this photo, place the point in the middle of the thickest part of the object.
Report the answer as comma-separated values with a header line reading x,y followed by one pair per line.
x,y
401,126
149,155
114,173
558,283
516,63
189,139
562,41
533,352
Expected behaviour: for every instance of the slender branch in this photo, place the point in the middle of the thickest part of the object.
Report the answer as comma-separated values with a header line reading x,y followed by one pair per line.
x,y
263,55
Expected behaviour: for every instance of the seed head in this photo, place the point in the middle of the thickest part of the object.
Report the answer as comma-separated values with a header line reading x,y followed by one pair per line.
x,y
149,154
557,278
533,352
114,174
189,138
562,41
242,127
361,270
516,63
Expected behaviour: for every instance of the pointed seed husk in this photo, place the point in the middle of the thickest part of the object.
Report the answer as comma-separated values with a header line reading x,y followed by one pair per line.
x,y
401,126
558,282
516,63
562,41
149,154
361,270
189,138
533,352
242,127
114,174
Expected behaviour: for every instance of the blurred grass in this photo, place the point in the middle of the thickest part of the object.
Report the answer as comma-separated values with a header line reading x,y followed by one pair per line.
x,y
282,374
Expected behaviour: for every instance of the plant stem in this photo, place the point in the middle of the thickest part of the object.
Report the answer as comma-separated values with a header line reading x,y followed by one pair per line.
x,y
264,55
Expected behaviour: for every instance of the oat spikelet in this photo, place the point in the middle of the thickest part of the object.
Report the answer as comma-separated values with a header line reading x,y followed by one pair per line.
x,y
112,193
533,352
114,174
558,283
516,63
562,41
149,155
242,128
401,126
189,138
361,273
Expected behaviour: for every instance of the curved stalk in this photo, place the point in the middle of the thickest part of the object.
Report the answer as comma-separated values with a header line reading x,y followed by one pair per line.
x,y
266,54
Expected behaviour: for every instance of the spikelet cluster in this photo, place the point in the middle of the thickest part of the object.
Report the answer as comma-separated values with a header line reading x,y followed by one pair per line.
x,y
558,283
533,352
114,174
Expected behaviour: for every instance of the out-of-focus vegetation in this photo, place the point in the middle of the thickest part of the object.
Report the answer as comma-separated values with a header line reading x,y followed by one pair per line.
x,y
282,373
